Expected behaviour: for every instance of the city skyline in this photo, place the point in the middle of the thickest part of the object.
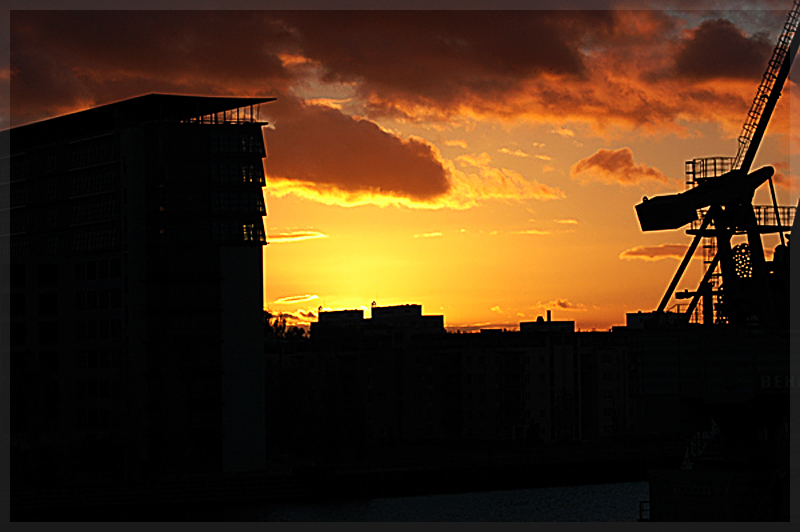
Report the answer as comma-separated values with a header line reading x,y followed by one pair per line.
x,y
482,164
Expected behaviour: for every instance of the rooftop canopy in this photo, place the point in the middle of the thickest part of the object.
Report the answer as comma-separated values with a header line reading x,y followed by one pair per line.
x,y
140,110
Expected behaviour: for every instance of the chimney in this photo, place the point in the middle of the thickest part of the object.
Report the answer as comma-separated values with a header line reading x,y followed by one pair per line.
x,y
548,315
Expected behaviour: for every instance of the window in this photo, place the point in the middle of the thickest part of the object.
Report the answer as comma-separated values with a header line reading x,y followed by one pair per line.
x,y
80,271
249,232
91,329
102,299
48,362
102,269
48,275
48,304
48,333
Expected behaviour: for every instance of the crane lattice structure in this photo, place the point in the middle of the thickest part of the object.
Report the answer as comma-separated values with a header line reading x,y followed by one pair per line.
x,y
718,205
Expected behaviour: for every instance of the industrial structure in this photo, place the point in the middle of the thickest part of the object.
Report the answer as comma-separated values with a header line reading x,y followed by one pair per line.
x,y
135,243
740,286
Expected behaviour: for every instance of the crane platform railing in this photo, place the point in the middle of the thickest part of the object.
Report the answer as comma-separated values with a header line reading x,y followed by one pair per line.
x,y
767,217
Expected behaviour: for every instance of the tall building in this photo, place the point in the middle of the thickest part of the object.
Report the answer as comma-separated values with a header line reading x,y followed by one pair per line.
x,y
135,239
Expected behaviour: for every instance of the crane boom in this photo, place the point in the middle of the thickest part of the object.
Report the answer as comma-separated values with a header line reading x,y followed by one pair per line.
x,y
768,91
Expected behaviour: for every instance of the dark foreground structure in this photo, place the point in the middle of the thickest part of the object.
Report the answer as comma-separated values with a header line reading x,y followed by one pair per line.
x,y
399,404
135,239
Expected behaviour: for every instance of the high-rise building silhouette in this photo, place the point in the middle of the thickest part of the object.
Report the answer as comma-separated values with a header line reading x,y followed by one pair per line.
x,y
135,238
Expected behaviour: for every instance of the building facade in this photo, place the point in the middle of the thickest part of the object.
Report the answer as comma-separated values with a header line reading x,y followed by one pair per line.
x,y
135,237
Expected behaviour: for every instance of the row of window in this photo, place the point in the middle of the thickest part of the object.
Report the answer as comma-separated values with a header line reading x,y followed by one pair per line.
x,y
237,172
98,329
98,299
92,418
97,211
237,232
94,181
238,202
93,359
48,331
94,388
92,152
95,239
99,269
237,143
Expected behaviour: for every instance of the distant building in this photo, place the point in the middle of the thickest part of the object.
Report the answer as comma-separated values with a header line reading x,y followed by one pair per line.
x,y
135,242
540,325
399,321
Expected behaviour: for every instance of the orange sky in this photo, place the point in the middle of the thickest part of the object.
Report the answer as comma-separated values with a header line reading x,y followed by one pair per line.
x,y
484,164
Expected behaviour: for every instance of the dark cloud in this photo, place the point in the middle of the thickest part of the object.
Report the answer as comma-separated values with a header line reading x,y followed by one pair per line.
x,y
718,49
322,149
63,60
440,58
436,64
615,166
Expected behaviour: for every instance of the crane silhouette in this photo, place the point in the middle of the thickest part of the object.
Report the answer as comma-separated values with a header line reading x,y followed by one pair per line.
x,y
747,290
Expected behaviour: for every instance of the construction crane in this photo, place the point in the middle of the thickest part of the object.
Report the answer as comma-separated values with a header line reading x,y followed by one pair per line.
x,y
746,290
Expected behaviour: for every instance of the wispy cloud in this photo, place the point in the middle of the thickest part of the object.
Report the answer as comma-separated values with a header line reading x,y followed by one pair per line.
x,y
456,143
564,132
531,232
290,300
515,153
569,221
295,236
428,235
487,182
327,102
658,252
560,304
478,160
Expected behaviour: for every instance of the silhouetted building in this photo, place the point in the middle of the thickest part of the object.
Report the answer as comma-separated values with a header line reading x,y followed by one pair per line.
x,y
540,325
396,323
136,237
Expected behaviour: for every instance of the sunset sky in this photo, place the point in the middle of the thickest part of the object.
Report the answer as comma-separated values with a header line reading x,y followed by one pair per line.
x,y
484,164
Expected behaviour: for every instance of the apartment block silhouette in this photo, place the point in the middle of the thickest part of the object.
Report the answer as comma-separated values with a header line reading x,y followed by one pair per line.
x,y
134,233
